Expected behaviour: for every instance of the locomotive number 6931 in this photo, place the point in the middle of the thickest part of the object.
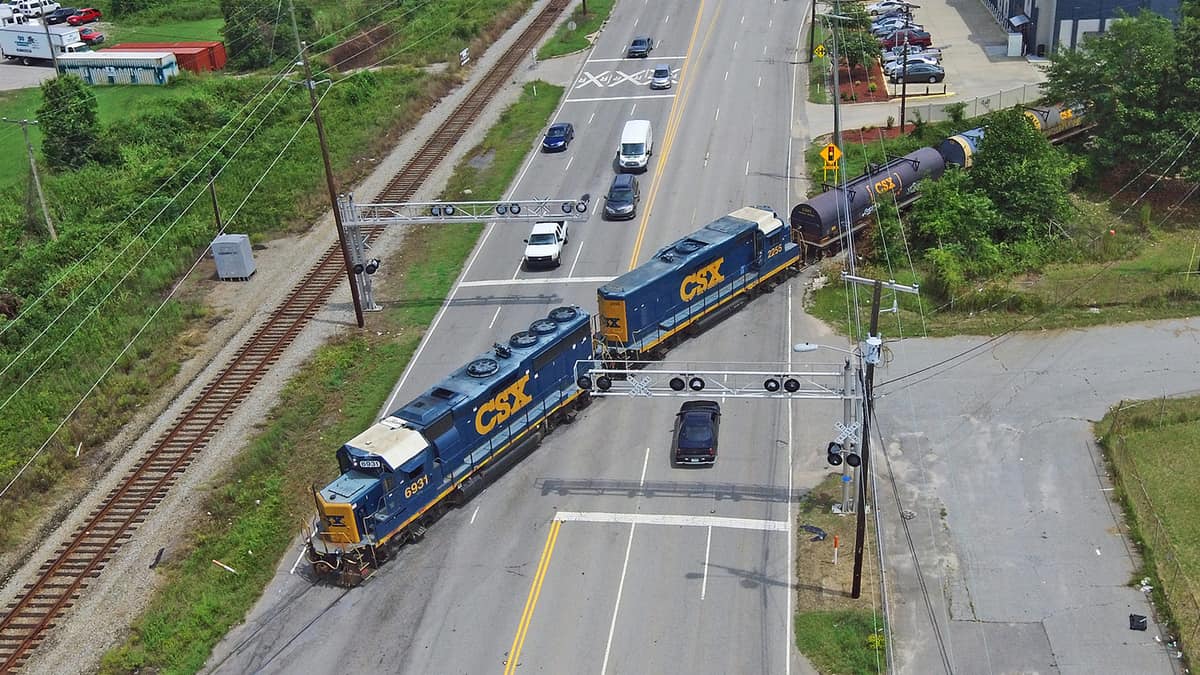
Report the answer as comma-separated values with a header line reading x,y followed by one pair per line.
x,y
416,486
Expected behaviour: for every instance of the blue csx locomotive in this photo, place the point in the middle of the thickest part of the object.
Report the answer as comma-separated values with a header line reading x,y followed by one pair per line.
x,y
440,448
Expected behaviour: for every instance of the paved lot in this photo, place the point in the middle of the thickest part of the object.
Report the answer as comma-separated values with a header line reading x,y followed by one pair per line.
x,y
13,75
1013,558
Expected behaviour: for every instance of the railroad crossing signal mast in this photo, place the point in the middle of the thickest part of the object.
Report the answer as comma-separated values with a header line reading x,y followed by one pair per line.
x,y
355,217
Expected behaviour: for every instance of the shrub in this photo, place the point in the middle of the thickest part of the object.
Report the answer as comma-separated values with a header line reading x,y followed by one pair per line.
x,y
891,121
871,87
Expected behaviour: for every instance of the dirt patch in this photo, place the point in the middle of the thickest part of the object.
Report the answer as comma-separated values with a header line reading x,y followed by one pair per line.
x,y
1168,197
481,161
862,84
362,49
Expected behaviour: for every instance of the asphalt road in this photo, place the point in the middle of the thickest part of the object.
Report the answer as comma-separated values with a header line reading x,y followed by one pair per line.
x,y
659,568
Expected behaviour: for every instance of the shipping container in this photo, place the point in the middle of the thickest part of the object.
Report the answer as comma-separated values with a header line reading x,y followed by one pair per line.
x,y
197,57
118,67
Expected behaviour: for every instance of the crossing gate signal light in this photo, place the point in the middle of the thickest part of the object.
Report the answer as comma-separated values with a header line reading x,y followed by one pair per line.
x,y
836,454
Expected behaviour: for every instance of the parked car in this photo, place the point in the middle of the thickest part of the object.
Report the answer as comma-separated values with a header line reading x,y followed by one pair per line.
x,y
558,137
885,6
660,78
895,53
60,15
892,67
920,72
697,428
640,47
916,38
622,199
893,25
85,15
91,36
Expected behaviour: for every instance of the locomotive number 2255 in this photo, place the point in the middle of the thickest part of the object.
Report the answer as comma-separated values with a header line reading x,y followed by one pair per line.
x,y
416,486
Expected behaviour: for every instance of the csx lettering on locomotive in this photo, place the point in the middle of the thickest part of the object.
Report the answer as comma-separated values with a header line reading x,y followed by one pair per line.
x,y
503,406
701,280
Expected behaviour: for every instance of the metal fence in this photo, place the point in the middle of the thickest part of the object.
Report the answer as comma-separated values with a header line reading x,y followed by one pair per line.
x,y
1174,583
980,105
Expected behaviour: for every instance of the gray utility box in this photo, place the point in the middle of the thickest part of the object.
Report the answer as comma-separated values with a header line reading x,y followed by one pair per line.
x,y
235,260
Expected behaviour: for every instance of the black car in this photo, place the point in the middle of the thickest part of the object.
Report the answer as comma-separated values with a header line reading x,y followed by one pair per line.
x,y
60,15
558,137
920,72
622,199
697,425
640,47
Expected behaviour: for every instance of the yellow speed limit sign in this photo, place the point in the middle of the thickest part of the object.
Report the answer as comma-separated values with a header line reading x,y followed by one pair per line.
x,y
831,154
819,52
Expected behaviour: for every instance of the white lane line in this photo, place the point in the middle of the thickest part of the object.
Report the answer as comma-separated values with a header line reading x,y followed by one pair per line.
x,y
735,45
657,58
568,165
759,81
718,115
618,98
727,76
743,19
707,547
645,463
538,280
494,317
675,520
668,19
747,167
612,627
591,118
635,22
632,109
764,50
769,22
473,515
298,559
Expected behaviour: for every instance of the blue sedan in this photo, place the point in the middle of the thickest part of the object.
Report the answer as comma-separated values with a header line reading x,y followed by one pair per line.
x,y
558,137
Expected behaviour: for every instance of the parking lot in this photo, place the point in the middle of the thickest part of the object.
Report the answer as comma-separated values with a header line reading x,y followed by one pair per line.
x,y
13,75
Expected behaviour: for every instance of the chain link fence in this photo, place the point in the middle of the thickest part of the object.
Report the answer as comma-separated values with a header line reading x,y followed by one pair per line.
x,y
1174,584
980,105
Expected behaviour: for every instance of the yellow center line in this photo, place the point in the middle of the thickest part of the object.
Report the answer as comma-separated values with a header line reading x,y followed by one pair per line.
x,y
673,119
514,652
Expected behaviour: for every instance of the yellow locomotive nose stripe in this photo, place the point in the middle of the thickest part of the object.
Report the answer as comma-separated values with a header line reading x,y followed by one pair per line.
x,y
514,652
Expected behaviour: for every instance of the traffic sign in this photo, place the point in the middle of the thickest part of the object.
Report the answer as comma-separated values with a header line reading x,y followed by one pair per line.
x,y
831,154
819,51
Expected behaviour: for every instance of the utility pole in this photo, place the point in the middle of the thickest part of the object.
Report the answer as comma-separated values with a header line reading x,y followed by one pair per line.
x,y
903,82
50,45
37,183
212,192
329,182
847,423
812,31
872,356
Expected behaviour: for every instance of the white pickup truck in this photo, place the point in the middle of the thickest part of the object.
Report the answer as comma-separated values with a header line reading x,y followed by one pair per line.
x,y
545,244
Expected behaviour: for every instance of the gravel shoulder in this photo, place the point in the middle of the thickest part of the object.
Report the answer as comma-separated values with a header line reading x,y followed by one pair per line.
x,y
100,619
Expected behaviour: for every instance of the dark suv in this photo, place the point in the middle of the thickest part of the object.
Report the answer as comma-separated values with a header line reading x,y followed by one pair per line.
x,y
640,47
697,425
622,199
60,15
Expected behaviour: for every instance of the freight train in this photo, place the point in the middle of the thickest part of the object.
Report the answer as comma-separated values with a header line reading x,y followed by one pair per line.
x,y
442,447
817,223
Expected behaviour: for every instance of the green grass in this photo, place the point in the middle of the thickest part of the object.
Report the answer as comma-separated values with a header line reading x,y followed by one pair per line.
x,y
256,507
818,67
566,41
169,31
841,641
1160,492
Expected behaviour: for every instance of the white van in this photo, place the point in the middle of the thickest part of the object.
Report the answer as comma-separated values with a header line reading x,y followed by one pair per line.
x,y
35,7
637,144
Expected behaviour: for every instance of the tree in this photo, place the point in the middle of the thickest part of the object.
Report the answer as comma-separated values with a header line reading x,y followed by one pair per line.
x,y
1024,176
67,118
1135,81
259,31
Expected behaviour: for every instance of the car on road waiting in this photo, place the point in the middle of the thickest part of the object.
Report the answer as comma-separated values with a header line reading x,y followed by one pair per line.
x,y
91,36
697,428
60,15
622,199
915,38
920,72
640,47
660,77
85,15
558,137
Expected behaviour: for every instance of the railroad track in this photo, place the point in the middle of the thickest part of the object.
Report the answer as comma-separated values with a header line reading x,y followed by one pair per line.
x,y
63,578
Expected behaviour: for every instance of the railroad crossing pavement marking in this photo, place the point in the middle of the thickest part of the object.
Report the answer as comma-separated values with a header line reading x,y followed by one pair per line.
x,y
668,519
618,98
537,280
